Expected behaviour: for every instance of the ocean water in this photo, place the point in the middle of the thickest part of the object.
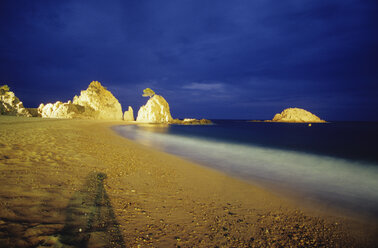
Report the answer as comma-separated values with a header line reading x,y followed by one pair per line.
x,y
335,163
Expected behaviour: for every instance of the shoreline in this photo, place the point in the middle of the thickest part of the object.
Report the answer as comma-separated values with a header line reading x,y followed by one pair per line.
x,y
303,195
154,199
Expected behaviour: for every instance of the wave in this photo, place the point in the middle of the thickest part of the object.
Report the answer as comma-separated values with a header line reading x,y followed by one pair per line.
x,y
333,179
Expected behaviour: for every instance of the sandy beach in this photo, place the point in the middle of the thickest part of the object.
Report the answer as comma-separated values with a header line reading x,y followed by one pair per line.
x,y
76,183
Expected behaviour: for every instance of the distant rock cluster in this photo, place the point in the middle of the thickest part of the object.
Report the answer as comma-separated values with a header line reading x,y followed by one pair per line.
x,y
188,121
296,115
96,102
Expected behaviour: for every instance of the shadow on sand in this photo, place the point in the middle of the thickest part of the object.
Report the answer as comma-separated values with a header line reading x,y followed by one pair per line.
x,y
90,219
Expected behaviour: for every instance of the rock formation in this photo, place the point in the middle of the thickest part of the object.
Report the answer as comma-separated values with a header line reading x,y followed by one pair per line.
x,y
296,115
129,115
94,103
188,121
100,102
10,104
33,112
63,110
156,110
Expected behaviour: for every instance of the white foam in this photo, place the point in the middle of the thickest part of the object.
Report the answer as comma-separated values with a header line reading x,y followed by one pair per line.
x,y
329,177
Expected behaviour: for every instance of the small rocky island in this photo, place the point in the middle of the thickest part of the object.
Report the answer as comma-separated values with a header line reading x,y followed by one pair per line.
x,y
296,115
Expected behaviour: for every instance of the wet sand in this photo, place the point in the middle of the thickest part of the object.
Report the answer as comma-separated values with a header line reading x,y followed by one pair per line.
x,y
76,183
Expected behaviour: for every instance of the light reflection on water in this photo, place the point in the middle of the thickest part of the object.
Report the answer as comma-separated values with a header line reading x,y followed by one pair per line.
x,y
348,183
143,134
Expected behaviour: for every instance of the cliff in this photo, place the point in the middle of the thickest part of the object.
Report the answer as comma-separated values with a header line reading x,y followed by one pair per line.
x,y
94,103
156,110
10,104
296,115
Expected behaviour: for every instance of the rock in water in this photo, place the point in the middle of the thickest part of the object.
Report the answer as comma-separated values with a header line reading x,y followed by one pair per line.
x,y
129,115
10,104
100,102
191,121
296,115
156,110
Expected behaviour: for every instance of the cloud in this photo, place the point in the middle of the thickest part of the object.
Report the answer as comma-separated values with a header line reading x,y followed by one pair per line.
x,y
204,86
210,52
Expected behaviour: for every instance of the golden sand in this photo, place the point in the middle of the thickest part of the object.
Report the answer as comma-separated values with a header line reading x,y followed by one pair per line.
x,y
75,183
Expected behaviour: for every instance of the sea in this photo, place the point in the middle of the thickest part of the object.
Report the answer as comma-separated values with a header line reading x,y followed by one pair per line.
x,y
334,163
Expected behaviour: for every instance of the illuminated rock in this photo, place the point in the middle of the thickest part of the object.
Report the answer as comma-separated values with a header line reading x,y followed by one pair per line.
x,y
188,121
10,104
156,110
62,110
296,115
99,102
129,115
94,103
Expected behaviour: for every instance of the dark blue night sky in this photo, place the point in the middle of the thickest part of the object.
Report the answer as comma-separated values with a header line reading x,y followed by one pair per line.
x,y
211,59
